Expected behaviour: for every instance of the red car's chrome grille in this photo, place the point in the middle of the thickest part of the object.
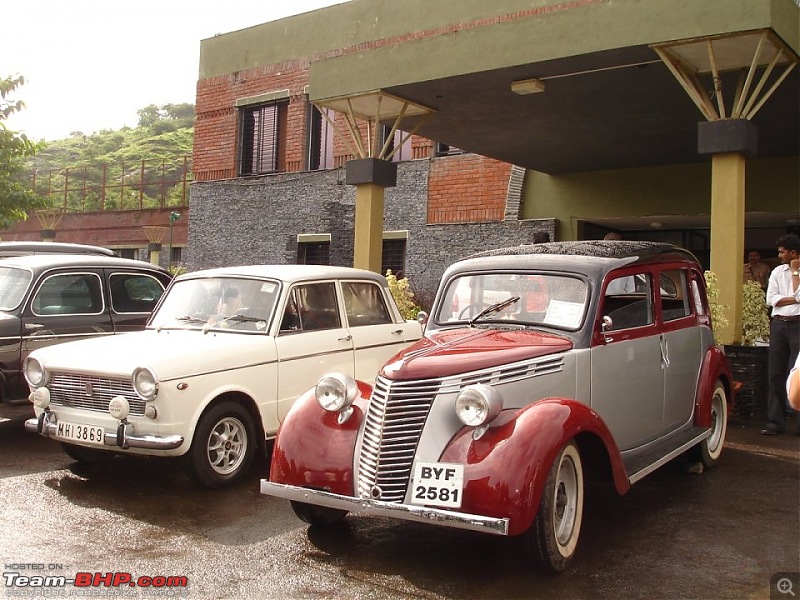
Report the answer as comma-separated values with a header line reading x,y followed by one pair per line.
x,y
394,421
396,415
92,393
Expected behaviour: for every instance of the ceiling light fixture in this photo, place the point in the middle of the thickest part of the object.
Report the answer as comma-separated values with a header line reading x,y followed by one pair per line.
x,y
527,86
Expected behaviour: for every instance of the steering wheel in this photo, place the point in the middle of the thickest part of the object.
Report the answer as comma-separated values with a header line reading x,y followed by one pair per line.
x,y
467,310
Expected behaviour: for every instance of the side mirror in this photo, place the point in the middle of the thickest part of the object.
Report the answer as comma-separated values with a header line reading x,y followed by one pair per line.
x,y
422,318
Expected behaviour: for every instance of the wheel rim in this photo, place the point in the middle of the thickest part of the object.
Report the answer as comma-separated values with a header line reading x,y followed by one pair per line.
x,y
227,445
718,425
565,507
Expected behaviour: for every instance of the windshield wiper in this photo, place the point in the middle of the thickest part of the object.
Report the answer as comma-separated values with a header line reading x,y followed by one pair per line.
x,y
185,319
235,318
494,308
190,319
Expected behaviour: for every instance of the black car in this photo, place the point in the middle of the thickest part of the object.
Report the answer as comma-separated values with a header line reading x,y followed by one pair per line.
x,y
52,298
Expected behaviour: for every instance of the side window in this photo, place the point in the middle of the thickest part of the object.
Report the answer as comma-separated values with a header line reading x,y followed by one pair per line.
x,y
69,294
674,296
310,308
364,304
628,303
134,293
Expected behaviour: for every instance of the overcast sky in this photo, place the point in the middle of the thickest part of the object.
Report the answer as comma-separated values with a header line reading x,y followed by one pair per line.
x,y
91,64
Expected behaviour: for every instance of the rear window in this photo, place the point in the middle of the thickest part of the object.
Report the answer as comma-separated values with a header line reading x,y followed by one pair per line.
x,y
13,285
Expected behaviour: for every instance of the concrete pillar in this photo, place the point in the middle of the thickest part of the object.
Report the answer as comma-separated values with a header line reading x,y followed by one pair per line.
x,y
727,237
370,176
155,251
729,142
368,241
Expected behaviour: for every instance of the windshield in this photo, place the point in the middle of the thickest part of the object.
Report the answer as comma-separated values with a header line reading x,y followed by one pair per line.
x,y
229,303
524,299
13,285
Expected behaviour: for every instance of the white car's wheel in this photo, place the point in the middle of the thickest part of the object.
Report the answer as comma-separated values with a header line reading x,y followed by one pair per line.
x,y
223,447
553,537
709,450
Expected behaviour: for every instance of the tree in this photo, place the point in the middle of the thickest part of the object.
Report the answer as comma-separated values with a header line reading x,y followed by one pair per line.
x,y
15,199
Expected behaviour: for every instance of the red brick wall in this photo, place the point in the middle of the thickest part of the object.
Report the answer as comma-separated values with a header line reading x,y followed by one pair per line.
x,y
216,127
467,189
112,229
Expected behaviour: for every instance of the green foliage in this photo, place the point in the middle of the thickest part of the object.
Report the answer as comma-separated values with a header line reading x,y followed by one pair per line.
x,y
403,296
15,199
130,163
718,318
755,322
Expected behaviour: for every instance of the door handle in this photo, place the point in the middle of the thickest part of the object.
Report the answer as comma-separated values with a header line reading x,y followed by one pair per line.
x,y
397,332
32,326
346,338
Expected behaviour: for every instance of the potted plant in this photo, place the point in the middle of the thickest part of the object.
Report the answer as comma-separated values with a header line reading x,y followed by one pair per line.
x,y
749,360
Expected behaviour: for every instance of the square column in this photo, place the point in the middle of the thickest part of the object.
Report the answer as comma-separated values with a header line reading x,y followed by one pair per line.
x,y
370,176
729,141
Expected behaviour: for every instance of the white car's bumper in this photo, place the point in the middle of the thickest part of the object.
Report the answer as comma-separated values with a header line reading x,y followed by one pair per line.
x,y
122,437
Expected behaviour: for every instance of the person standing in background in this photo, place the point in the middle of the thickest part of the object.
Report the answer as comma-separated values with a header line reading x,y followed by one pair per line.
x,y
783,295
755,270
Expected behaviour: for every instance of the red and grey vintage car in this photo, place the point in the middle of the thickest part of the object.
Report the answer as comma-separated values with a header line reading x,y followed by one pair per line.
x,y
542,367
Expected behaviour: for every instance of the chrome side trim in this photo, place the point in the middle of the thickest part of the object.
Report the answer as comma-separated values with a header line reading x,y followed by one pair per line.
x,y
668,457
407,512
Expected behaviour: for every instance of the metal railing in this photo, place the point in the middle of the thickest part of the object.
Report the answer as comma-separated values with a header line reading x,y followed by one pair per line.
x,y
120,186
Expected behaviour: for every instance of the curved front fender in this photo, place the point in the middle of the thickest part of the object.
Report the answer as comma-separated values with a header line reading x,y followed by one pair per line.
x,y
313,450
505,470
715,367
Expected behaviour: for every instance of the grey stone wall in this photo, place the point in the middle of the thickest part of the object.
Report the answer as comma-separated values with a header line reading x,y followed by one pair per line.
x,y
257,220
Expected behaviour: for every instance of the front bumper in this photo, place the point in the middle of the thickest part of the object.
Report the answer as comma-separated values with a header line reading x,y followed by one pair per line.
x,y
421,514
123,437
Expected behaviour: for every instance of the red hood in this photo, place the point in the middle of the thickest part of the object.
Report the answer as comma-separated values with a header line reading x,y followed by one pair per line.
x,y
455,351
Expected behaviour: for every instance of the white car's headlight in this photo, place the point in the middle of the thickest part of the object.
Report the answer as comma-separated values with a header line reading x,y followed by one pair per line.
x,y
145,383
336,392
35,373
478,404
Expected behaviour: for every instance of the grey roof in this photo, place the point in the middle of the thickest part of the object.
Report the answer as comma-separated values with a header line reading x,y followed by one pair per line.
x,y
45,261
590,257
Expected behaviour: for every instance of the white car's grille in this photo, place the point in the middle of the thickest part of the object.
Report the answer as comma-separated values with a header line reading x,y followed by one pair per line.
x,y
92,393
396,416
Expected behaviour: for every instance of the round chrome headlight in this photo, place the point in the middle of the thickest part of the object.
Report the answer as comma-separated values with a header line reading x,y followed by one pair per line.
x,y
478,404
145,383
336,391
35,373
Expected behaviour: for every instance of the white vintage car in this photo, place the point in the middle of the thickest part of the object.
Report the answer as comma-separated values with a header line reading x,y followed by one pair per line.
x,y
222,359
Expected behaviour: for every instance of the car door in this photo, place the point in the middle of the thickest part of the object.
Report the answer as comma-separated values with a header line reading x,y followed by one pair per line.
x,y
627,374
133,296
312,341
682,345
64,306
376,336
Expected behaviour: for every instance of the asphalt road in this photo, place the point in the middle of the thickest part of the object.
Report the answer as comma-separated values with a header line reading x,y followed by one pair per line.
x,y
722,534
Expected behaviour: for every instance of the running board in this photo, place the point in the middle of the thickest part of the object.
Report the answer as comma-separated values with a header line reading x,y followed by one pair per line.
x,y
644,464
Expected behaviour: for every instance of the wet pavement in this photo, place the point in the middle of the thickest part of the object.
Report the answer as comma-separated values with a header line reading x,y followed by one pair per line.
x,y
724,533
